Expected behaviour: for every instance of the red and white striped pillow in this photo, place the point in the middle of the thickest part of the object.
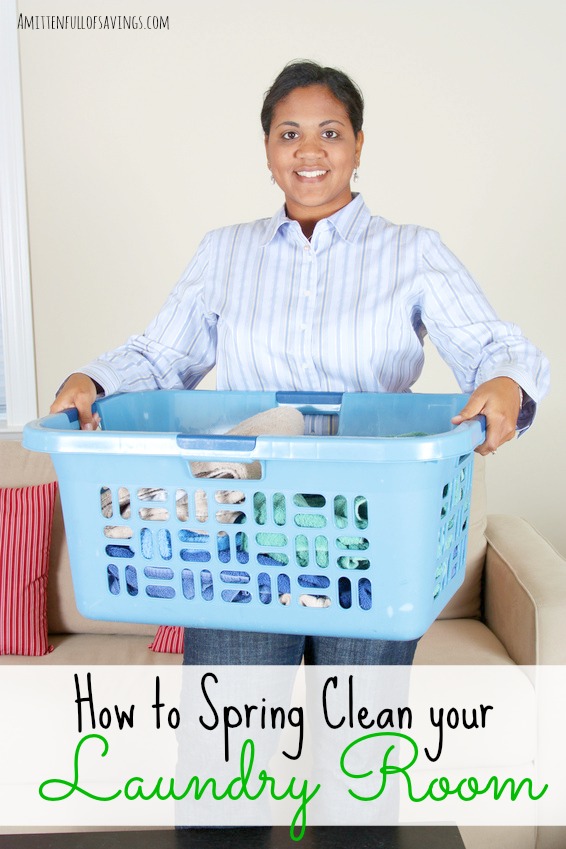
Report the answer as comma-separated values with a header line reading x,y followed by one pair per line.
x,y
169,639
26,515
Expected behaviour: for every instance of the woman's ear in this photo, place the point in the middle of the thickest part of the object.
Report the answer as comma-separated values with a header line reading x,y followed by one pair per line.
x,y
359,145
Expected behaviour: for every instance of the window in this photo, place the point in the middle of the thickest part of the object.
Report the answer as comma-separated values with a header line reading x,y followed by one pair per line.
x,y
17,369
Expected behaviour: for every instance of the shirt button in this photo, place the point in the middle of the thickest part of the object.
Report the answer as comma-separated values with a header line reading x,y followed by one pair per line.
x,y
307,247
303,327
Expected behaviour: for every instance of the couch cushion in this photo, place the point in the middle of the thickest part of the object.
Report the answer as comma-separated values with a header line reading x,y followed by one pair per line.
x,y
20,467
457,642
97,649
25,532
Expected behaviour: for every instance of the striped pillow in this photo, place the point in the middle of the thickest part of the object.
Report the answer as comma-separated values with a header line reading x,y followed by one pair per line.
x,y
169,638
25,535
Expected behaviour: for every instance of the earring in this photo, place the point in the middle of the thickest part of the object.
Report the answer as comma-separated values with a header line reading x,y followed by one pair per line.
x,y
272,178
356,175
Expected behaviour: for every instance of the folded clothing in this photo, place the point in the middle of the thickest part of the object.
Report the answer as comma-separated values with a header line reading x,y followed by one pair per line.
x,y
279,421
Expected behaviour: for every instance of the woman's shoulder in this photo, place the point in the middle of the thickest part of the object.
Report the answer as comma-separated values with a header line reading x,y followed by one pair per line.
x,y
403,232
241,230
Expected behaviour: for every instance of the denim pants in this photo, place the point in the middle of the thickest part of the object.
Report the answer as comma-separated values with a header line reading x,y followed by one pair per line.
x,y
242,648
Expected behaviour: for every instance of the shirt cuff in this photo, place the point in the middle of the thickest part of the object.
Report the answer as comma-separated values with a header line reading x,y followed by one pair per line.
x,y
104,376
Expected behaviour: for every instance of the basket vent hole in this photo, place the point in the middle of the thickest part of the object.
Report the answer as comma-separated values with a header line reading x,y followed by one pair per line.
x,y
353,563
182,505
284,589
272,540
311,582
124,502
229,496
201,505
159,573
361,512
310,520
230,517
119,551
364,593
277,558
118,532
223,546
164,544
106,502
190,555
188,583
345,593
232,576
241,597
308,600
340,511
260,508
206,585
264,587
155,591
307,500
321,552
154,514
131,580
146,542
152,493
193,536
352,543
302,551
113,579
279,509
242,552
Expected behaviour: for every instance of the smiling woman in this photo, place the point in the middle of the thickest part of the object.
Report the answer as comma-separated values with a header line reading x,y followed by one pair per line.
x,y
312,151
312,119
322,296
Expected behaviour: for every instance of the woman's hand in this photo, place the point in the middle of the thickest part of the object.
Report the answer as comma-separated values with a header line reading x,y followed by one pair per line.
x,y
499,400
79,391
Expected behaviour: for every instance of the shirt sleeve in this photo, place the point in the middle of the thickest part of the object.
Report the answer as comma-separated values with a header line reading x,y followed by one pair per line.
x,y
469,336
178,347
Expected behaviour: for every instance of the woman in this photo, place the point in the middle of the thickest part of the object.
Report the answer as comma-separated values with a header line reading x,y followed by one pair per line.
x,y
322,296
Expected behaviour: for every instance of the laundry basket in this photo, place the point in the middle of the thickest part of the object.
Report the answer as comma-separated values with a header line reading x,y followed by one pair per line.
x,y
359,534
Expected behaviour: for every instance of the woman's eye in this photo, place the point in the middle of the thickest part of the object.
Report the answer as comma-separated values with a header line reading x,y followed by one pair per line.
x,y
330,134
291,135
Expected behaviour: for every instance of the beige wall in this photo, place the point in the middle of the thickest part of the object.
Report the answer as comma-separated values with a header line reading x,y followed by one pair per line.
x,y
137,142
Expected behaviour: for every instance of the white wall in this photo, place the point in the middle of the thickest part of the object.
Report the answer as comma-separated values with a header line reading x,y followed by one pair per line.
x,y
137,142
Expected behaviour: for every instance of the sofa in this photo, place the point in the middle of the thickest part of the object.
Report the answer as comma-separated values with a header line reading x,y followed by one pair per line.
x,y
510,610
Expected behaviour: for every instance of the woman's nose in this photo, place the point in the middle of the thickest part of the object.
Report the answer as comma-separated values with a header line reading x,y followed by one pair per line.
x,y
310,146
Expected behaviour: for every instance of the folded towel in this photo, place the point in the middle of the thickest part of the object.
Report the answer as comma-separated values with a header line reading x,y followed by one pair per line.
x,y
279,421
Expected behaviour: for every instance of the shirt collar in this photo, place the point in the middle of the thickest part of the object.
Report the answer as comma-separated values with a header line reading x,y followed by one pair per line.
x,y
348,222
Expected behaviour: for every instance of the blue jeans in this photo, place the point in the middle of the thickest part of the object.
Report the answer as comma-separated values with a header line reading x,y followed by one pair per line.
x,y
204,646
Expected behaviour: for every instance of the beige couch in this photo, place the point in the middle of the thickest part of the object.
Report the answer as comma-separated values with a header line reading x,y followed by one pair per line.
x,y
510,610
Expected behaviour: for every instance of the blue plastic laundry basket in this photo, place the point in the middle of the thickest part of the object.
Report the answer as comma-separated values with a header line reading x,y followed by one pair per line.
x,y
359,534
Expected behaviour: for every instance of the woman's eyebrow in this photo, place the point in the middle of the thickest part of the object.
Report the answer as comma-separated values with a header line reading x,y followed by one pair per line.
x,y
322,123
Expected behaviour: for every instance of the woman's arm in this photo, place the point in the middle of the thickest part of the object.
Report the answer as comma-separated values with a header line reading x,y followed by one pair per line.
x,y
490,358
176,350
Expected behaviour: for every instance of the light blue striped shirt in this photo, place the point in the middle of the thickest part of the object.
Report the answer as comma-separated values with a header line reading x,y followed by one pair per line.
x,y
346,311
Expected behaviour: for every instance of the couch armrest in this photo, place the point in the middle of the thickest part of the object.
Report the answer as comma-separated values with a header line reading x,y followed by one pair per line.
x,y
525,592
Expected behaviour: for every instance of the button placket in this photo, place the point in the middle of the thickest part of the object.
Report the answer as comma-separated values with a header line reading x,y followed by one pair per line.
x,y
306,312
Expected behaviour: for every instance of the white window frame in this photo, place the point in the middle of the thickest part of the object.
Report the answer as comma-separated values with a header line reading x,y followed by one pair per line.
x,y
15,283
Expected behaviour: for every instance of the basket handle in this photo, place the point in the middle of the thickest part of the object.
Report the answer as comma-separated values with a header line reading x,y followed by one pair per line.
x,y
311,402
215,442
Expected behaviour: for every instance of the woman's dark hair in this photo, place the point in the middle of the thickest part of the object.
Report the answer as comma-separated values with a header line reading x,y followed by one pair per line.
x,y
302,74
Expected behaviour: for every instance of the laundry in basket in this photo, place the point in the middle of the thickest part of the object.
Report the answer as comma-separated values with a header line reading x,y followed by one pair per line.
x,y
362,533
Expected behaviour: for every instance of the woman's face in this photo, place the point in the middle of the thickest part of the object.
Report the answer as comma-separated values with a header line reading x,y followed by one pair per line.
x,y
312,152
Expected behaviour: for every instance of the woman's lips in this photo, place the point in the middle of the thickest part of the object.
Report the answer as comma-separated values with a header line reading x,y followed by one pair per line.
x,y
311,174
